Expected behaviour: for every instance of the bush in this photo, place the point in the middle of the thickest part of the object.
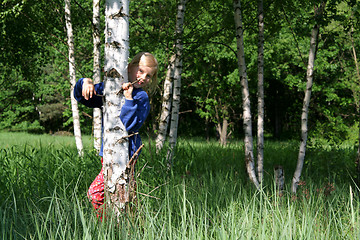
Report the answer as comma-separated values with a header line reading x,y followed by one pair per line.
x,y
26,126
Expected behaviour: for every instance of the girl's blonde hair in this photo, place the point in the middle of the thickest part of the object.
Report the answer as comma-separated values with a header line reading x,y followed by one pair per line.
x,y
148,60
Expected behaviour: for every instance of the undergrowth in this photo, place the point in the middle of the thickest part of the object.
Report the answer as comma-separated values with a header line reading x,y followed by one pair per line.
x,y
205,195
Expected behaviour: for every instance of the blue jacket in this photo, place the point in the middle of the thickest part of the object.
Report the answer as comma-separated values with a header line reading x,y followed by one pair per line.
x,y
133,113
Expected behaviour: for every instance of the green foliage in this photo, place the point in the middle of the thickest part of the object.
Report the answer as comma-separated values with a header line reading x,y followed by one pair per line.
x,y
33,127
34,84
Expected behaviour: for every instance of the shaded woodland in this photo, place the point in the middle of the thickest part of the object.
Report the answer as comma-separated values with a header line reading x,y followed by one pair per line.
x,y
35,85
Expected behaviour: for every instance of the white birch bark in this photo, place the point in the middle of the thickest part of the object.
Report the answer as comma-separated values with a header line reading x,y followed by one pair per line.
x,y
248,140
222,124
166,105
222,131
72,73
97,114
177,80
116,154
261,102
305,109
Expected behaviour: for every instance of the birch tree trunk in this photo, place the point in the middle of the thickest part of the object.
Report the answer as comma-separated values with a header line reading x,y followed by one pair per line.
x,y
72,73
116,155
248,140
221,128
305,109
222,131
96,72
177,80
261,102
166,105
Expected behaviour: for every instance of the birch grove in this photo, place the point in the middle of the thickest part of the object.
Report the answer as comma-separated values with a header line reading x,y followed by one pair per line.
x,y
177,80
72,73
116,154
97,114
248,139
307,97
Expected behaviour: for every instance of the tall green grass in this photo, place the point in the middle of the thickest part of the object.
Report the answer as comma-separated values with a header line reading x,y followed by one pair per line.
x,y
206,195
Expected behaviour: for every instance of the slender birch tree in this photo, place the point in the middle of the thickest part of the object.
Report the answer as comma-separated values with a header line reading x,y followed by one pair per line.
x,y
116,155
97,114
305,109
261,102
248,140
177,80
166,105
357,162
72,73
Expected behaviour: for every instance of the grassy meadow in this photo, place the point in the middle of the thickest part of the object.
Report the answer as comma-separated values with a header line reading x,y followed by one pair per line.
x,y
206,195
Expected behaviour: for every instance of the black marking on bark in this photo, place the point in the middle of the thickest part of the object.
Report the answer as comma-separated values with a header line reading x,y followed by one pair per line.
x,y
117,128
120,14
113,73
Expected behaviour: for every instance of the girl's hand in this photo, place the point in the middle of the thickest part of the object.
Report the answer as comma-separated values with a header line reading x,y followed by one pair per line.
x,y
128,89
88,88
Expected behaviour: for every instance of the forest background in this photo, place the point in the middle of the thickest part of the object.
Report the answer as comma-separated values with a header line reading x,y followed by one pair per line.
x,y
207,193
34,78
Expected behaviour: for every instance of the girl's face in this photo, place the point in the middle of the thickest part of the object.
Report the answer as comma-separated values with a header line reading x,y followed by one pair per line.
x,y
142,72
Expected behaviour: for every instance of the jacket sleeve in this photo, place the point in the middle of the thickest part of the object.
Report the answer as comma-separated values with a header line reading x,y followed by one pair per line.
x,y
95,101
134,112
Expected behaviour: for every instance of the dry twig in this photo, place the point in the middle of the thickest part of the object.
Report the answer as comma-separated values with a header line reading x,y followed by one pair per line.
x,y
124,137
132,84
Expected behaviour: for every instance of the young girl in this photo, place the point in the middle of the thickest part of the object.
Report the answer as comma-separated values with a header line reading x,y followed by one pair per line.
x,y
143,68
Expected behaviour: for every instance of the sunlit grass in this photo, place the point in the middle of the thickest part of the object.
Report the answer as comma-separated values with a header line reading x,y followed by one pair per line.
x,y
9,139
206,195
